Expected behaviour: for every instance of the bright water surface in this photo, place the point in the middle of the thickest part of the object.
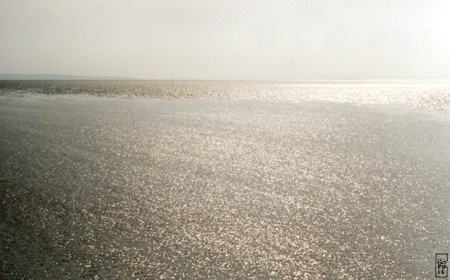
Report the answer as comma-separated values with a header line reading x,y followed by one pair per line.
x,y
138,179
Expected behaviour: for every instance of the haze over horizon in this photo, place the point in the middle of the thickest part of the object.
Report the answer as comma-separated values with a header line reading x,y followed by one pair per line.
x,y
243,40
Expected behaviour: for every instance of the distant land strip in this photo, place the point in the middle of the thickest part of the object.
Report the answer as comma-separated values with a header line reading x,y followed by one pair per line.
x,y
19,77
58,77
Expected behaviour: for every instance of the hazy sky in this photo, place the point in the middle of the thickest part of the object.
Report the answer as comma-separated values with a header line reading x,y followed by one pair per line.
x,y
233,39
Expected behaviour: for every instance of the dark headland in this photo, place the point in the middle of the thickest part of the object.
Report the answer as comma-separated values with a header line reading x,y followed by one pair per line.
x,y
58,77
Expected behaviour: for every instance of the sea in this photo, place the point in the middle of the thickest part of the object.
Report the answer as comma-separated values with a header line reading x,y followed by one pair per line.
x,y
223,179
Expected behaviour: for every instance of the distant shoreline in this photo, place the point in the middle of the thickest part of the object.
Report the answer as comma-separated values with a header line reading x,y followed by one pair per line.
x,y
50,77
57,77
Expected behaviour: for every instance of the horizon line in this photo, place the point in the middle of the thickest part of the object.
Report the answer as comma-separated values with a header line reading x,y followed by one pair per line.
x,y
67,77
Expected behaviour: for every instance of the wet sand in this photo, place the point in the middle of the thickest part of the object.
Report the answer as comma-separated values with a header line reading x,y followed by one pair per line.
x,y
146,188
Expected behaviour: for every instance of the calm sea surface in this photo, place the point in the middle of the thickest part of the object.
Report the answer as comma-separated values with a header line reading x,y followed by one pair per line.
x,y
161,179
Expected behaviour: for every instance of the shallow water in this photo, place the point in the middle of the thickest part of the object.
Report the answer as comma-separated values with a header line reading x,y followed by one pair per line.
x,y
222,188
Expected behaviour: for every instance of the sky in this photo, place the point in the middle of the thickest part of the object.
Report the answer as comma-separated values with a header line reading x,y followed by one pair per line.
x,y
233,39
